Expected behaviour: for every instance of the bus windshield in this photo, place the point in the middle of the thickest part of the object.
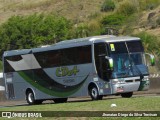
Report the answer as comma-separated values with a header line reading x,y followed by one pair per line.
x,y
128,59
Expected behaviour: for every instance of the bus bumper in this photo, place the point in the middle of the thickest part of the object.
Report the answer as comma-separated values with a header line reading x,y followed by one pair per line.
x,y
130,87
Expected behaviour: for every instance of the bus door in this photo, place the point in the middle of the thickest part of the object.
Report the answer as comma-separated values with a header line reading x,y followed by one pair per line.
x,y
102,65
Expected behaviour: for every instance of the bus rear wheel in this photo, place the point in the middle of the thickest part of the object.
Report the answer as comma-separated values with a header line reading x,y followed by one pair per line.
x,y
60,100
31,99
93,91
127,95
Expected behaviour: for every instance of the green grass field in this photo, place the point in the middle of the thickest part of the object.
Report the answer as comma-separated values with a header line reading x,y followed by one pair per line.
x,y
123,104
149,103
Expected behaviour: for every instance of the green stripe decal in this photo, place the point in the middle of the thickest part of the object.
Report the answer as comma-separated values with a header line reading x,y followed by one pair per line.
x,y
48,85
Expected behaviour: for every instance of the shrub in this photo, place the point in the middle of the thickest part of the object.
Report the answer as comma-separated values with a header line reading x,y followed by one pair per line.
x,y
150,42
81,31
108,5
148,4
21,32
95,28
126,8
114,19
112,23
158,20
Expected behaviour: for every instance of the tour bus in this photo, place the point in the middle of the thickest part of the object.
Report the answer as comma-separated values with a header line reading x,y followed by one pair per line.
x,y
94,66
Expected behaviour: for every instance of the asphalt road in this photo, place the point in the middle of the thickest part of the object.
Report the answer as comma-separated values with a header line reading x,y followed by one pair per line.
x,y
80,99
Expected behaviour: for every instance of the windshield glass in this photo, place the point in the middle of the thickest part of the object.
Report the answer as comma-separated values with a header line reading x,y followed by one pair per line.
x,y
128,59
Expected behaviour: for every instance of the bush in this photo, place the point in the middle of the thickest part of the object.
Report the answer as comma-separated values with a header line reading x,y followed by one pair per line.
x,y
126,8
114,19
79,31
95,28
21,32
108,5
148,4
112,23
150,42
151,45
158,20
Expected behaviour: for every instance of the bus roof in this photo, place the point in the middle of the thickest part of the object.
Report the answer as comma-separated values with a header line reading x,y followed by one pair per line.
x,y
105,38
87,39
72,43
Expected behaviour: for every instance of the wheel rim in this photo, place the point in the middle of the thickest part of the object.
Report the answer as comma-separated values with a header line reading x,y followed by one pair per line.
x,y
94,92
30,97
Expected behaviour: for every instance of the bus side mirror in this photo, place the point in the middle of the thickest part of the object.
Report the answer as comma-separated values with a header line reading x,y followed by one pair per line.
x,y
152,59
110,62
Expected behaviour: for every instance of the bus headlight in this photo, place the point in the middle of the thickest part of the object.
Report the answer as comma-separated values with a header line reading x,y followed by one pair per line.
x,y
115,81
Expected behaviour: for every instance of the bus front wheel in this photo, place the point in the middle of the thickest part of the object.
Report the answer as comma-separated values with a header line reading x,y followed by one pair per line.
x,y
93,91
127,95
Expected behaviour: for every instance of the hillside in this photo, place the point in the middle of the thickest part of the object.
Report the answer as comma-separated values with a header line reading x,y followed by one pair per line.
x,y
128,17
79,11
71,9
147,22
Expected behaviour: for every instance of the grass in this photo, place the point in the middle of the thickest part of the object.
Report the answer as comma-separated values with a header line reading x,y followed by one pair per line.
x,y
123,104
33,4
72,9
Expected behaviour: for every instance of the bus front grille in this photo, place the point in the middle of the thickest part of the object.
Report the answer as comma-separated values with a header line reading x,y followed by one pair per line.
x,y
11,94
128,81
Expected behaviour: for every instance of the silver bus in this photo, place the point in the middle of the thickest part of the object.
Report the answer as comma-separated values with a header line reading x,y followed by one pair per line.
x,y
94,66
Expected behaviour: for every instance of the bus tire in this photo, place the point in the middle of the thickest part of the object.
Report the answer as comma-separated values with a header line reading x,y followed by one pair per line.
x,y
60,100
93,91
31,99
127,95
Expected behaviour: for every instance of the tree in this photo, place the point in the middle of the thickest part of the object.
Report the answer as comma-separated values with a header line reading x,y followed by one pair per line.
x,y
23,32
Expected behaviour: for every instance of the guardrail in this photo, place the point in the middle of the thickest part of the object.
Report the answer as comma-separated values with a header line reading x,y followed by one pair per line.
x,y
154,75
154,86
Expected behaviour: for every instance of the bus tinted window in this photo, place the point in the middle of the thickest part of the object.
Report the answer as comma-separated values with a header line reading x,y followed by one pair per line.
x,y
76,55
62,57
48,58
8,67
69,56
135,46
118,47
53,58
100,50
84,55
